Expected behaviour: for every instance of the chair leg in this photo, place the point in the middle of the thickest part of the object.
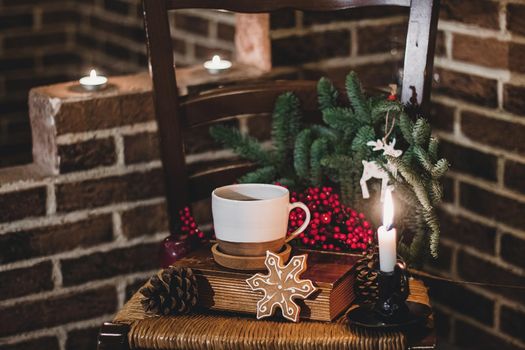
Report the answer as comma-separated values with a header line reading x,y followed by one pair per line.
x,y
113,336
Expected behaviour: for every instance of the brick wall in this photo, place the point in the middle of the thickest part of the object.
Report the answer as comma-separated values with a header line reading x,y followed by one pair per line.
x,y
80,228
107,149
59,40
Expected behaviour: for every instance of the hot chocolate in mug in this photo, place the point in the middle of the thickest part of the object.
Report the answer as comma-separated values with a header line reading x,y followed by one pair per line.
x,y
249,219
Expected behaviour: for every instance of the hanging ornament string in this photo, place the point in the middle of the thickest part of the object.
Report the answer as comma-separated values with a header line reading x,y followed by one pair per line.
x,y
474,283
388,128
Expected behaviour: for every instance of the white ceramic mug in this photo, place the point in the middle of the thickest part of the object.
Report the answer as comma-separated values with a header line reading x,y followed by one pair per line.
x,y
249,219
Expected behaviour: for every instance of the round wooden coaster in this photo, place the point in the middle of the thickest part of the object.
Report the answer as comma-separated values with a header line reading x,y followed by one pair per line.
x,y
246,262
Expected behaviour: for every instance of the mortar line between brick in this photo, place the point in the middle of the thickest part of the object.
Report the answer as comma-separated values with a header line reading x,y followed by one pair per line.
x,y
51,202
488,186
56,273
472,69
119,149
67,290
464,141
62,338
17,338
472,30
487,112
118,236
340,25
69,138
483,220
475,323
62,218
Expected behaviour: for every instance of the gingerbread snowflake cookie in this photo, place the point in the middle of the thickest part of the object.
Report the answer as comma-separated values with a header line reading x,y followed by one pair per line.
x,y
281,286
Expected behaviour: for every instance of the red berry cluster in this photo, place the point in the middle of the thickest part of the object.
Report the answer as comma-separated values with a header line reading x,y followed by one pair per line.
x,y
188,225
333,226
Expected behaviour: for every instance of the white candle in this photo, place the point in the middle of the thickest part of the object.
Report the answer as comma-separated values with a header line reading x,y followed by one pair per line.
x,y
217,65
93,81
386,236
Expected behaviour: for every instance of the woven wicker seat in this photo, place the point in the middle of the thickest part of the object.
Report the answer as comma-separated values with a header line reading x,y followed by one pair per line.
x,y
207,330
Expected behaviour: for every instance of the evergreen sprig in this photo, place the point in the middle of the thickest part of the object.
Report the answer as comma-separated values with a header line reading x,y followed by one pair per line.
x,y
333,152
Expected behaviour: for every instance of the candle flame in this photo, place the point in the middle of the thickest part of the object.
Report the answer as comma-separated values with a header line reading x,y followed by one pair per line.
x,y
216,59
388,210
93,73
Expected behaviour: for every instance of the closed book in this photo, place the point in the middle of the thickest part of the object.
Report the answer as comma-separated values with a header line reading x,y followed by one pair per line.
x,y
226,290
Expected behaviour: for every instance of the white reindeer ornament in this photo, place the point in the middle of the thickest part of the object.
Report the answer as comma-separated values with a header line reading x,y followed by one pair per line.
x,y
373,170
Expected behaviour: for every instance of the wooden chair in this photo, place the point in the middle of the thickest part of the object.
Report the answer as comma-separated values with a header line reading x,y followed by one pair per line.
x,y
175,113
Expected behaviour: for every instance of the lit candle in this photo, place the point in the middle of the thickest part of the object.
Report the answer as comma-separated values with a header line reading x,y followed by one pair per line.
x,y
217,65
93,82
386,236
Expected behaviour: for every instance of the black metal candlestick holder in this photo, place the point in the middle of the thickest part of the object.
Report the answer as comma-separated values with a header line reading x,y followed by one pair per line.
x,y
391,310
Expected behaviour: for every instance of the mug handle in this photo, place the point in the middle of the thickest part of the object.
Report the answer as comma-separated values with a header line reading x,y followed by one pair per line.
x,y
305,223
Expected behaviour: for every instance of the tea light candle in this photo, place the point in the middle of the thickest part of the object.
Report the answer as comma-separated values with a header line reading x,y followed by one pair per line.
x,y
386,236
93,82
217,65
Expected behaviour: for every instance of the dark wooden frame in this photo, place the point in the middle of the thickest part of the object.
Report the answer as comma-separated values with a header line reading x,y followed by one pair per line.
x,y
174,113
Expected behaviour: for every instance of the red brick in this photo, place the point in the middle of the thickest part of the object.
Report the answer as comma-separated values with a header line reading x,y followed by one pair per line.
x,y
382,38
55,239
448,190
491,205
134,287
12,21
117,6
87,155
516,18
310,48
310,18
110,264
470,161
282,19
143,147
442,116
484,13
493,132
103,113
516,54
57,310
463,301
47,343
18,63
145,220
471,337
513,100
512,322
59,16
35,40
472,268
192,24
18,205
179,46
27,280
512,249
109,190
225,31
82,339
481,51
474,89
515,175
468,232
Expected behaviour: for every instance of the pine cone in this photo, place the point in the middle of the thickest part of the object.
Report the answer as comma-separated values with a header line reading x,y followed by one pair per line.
x,y
365,286
171,291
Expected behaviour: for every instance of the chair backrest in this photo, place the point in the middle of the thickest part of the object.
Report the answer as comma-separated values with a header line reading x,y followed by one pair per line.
x,y
175,113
